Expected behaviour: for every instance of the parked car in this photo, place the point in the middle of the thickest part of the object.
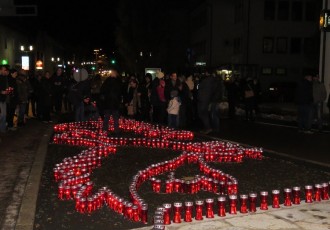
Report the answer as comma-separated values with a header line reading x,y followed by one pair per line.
x,y
281,91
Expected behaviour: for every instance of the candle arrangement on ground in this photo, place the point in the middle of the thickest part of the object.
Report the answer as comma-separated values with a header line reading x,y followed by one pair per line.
x,y
73,174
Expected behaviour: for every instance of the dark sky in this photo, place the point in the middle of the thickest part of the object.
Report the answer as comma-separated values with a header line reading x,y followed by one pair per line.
x,y
89,23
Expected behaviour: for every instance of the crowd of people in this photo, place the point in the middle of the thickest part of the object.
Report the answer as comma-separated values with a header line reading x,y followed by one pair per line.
x,y
178,101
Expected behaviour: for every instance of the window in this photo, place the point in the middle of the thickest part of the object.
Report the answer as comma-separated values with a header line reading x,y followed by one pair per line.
x,y
283,10
280,71
266,71
295,46
281,45
310,12
269,10
268,45
296,11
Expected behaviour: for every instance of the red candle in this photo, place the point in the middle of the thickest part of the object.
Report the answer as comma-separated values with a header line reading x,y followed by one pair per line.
x,y
199,209
263,200
243,201
167,214
287,197
188,211
221,206
144,213
233,204
209,208
296,195
308,193
325,191
157,186
169,186
317,192
252,202
276,198
177,206
135,212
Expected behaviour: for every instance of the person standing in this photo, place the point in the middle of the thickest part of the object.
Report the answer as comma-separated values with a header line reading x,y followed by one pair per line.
x,y
204,96
12,99
24,90
319,96
4,72
173,109
111,96
58,80
305,104
45,97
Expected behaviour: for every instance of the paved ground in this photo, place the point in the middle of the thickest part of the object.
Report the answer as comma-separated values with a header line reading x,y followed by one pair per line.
x,y
22,154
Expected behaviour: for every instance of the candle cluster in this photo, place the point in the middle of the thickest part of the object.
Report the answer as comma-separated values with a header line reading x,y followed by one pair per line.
x,y
231,204
74,183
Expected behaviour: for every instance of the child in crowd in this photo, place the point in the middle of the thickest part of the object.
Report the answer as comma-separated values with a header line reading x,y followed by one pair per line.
x,y
173,110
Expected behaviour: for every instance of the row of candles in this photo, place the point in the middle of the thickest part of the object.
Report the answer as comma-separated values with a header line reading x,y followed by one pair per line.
x,y
244,203
73,174
128,125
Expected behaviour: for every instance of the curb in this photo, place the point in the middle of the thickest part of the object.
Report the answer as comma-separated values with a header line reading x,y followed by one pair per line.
x,y
26,214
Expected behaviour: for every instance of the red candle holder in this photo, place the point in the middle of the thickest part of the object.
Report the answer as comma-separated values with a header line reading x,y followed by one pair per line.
x,y
167,213
308,193
253,202
188,211
177,208
82,204
317,192
144,213
222,186
199,209
157,186
243,202
177,185
325,191
209,208
135,212
233,204
169,186
276,198
221,206
263,200
296,195
287,197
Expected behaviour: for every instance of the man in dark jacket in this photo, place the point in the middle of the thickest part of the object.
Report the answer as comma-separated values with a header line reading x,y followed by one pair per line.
x,y
305,104
205,92
111,97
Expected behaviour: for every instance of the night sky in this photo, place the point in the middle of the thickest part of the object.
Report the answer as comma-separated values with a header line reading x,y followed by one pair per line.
x,y
90,24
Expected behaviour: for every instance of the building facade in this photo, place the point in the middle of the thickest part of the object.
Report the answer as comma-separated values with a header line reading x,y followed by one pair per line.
x,y
274,40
